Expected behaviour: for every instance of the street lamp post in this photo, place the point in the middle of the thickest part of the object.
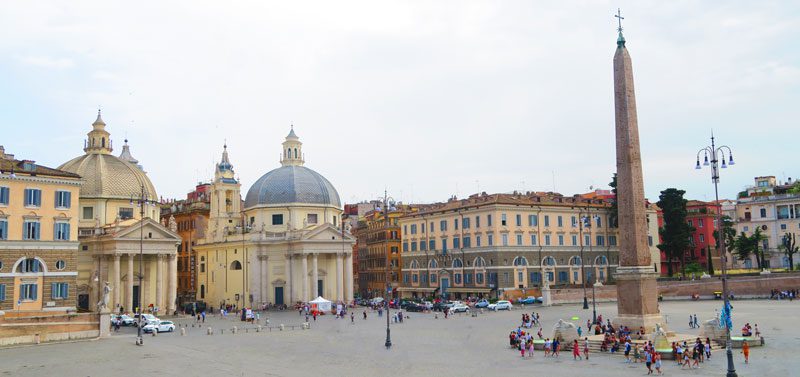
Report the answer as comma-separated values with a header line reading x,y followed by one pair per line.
x,y
581,221
386,209
141,201
717,154
244,228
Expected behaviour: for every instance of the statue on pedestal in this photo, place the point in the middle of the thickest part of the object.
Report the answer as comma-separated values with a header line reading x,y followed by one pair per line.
x,y
102,306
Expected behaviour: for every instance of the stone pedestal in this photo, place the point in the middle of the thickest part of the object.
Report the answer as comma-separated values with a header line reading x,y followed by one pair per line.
x,y
105,322
637,298
546,299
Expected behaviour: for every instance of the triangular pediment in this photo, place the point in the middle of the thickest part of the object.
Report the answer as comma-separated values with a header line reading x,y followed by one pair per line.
x,y
147,229
328,232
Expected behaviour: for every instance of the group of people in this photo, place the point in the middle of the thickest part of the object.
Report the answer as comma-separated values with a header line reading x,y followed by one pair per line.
x,y
530,320
747,330
776,294
691,356
693,321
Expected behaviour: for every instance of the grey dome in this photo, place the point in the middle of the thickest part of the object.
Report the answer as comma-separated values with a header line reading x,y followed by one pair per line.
x,y
292,184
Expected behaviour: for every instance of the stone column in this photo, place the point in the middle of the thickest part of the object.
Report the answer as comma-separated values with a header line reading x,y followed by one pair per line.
x,y
98,285
159,281
339,273
288,298
115,283
348,277
315,276
131,278
264,278
304,276
172,284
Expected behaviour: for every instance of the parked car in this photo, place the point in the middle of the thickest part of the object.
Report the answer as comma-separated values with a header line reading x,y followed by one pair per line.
x,y
125,320
147,317
414,307
441,306
482,304
159,326
527,300
500,305
427,305
459,308
150,326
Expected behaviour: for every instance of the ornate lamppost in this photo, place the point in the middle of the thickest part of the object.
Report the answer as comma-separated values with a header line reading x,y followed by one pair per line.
x,y
718,161
142,200
388,205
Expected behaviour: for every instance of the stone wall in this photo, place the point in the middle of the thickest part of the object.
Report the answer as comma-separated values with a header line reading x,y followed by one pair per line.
x,y
744,286
48,328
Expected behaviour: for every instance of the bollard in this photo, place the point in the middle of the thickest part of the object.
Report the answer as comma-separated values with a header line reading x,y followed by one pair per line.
x,y
282,327
268,321
221,331
155,332
183,331
235,329
37,339
209,331
258,329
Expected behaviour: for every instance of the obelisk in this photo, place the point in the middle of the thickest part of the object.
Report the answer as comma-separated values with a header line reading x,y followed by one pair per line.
x,y
637,291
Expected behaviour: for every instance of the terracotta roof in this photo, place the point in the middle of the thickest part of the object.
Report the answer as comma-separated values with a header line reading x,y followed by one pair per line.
x,y
19,167
523,199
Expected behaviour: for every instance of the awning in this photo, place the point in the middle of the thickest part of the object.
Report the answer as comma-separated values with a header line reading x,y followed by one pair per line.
x,y
415,289
468,290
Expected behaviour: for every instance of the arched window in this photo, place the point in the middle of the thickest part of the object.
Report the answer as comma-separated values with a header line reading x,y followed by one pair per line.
x,y
29,265
575,261
520,261
457,263
479,262
414,264
236,265
103,142
295,153
549,261
202,259
202,291
601,260
433,264
289,153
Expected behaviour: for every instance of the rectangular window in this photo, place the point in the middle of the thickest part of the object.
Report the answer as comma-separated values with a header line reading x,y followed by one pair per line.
x,y
598,222
519,219
4,195
444,246
423,246
533,240
28,292
587,240
432,229
504,237
413,246
503,221
63,199
489,220
456,242
479,278
30,230
700,223
465,223
783,226
432,245
560,240
61,231
574,222
443,225
547,240
414,278
405,247
546,220
533,220
59,291
88,213
601,241
746,228
702,238
467,241
690,222
649,240
33,198
560,221
312,218
2,292
490,239
277,219
477,221
763,212
3,229
519,240
478,241
125,213
405,229
433,278
612,240
455,224
413,228
574,240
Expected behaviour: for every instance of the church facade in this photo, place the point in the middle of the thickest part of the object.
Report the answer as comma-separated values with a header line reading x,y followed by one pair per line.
x,y
283,244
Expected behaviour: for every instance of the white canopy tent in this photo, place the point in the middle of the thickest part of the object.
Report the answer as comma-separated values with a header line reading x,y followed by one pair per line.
x,y
321,304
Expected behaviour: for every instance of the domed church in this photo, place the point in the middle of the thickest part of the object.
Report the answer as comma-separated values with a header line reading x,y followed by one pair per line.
x,y
283,244
120,237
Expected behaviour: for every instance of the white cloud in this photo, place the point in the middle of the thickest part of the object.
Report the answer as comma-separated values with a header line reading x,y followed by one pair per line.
x,y
46,62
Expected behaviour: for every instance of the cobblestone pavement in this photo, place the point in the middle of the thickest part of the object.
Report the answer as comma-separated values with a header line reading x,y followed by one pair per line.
x,y
459,346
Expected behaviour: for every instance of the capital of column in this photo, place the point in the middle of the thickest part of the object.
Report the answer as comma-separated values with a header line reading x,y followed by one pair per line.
x,y
263,257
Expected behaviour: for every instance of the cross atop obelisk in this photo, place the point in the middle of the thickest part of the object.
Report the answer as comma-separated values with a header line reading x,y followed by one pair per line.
x,y
637,291
619,19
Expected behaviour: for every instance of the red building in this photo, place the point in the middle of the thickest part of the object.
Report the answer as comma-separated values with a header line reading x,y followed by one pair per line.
x,y
702,216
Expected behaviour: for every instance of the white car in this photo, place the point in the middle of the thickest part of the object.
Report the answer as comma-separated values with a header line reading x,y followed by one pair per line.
x,y
500,305
147,318
161,326
459,308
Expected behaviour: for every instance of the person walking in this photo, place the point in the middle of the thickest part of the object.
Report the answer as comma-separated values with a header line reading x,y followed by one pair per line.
x,y
746,351
576,350
648,361
556,347
530,346
657,362
696,324
586,348
691,321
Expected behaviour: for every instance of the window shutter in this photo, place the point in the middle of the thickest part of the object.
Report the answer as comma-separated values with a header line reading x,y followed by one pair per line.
x,y
68,199
53,290
36,230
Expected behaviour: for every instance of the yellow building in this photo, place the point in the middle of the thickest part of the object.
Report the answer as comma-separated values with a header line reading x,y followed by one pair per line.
x,y
284,245
122,242
38,236
504,243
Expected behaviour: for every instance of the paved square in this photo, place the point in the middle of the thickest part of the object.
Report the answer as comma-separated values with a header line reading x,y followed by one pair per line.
x,y
459,346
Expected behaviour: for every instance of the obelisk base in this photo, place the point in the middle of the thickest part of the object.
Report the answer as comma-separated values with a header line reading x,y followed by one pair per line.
x,y
637,298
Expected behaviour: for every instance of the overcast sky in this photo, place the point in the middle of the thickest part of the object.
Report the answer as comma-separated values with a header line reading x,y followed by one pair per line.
x,y
426,98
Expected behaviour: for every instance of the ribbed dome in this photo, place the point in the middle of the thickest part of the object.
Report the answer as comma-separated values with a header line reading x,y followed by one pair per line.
x,y
107,176
292,184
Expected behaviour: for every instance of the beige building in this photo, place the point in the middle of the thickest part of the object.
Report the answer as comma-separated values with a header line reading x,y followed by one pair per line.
x,y
773,208
503,243
121,240
284,245
38,236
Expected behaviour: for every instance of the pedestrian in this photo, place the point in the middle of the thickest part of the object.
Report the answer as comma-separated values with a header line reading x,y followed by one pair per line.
x,y
530,347
648,361
679,352
691,321
586,348
686,359
576,350
695,357
696,325
539,333
636,354
203,316
758,332
580,332
352,317
365,314
657,362
556,347
548,347
627,351
746,351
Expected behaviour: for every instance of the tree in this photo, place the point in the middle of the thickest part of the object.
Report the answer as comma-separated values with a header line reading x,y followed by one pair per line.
x,y
613,214
790,248
747,246
676,234
758,251
729,235
743,246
